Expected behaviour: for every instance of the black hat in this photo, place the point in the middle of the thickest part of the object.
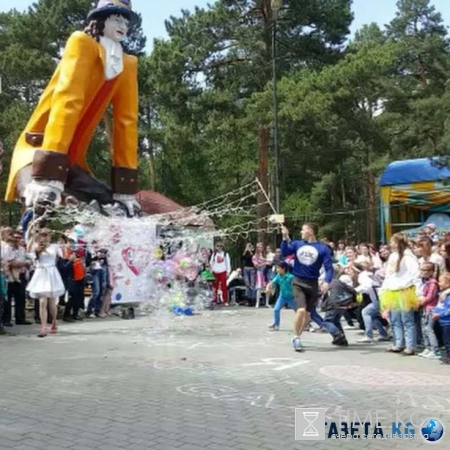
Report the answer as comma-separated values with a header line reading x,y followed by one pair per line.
x,y
109,7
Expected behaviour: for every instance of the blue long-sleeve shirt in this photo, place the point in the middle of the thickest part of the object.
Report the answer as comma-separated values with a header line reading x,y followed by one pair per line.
x,y
443,310
309,259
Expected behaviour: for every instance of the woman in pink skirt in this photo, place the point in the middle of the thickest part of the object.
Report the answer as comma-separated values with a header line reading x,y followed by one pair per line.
x,y
260,262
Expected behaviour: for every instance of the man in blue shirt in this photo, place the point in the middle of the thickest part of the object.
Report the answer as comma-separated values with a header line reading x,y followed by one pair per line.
x,y
310,255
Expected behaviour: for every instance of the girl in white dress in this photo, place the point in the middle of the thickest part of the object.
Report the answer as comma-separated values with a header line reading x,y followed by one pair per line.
x,y
46,283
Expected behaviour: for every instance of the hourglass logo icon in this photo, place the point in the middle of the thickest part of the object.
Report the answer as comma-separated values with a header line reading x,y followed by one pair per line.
x,y
310,417
309,424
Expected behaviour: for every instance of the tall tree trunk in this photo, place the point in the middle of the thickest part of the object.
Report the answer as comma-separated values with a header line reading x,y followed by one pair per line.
x,y
151,156
151,170
263,209
371,215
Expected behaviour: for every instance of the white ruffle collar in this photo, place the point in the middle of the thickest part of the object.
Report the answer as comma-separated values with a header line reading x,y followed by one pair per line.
x,y
113,57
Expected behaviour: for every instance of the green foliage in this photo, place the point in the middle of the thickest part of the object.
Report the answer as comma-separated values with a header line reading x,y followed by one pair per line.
x,y
346,109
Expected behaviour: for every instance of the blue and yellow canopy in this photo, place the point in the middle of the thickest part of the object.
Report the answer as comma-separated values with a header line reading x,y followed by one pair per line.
x,y
419,183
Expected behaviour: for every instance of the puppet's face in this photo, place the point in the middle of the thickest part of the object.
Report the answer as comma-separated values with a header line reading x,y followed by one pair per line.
x,y
116,28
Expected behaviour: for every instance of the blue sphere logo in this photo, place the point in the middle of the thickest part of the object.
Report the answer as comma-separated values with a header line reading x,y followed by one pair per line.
x,y
432,430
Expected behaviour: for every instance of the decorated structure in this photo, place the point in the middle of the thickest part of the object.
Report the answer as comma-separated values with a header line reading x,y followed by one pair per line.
x,y
94,72
411,191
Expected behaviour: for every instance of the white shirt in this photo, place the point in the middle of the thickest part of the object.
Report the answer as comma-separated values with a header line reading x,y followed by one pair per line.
x,y
364,259
366,285
434,258
114,57
15,254
407,276
220,262
376,262
4,248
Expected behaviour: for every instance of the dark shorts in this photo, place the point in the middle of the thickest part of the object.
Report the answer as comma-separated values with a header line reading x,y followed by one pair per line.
x,y
306,293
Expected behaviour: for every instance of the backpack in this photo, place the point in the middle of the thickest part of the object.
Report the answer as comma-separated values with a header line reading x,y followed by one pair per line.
x,y
340,295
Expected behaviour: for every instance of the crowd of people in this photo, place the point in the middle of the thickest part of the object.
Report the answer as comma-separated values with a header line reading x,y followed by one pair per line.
x,y
48,270
398,292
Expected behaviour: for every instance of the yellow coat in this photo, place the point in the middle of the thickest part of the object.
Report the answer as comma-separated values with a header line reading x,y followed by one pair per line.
x,y
72,106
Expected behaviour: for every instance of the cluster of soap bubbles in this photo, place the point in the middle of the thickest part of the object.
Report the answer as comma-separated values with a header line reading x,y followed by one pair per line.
x,y
151,266
161,261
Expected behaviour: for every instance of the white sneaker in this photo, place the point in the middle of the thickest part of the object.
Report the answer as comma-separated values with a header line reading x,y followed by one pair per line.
x,y
432,355
350,327
274,327
365,340
425,353
297,344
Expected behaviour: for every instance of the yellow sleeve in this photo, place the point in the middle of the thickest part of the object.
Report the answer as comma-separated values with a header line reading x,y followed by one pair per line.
x,y
125,117
70,91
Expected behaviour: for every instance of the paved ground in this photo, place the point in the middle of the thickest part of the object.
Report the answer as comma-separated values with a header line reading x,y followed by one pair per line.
x,y
215,381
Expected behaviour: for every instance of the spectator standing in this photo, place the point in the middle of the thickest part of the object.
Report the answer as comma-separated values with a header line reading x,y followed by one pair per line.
x,y
428,255
270,271
2,299
260,263
18,263
384,254
398,295
441,313
221,268
431,232
75,271
249,270
5,234
445,253
428,298
98,285
277,258
107,288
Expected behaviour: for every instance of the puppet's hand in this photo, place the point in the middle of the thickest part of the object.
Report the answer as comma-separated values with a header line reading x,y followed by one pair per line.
x,y
130,202
43,193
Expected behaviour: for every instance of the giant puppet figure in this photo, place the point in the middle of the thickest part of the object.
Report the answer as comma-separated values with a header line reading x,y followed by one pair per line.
x,y
94,72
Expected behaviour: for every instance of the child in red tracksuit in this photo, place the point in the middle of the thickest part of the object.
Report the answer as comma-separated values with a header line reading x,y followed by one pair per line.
x,y
428,298
221,268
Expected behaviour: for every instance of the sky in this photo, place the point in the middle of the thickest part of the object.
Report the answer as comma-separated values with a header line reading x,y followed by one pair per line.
x,y
155,13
